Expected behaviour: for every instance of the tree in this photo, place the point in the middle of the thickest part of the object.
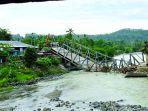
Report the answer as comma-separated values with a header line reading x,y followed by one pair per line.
x,y
5,34
145,50
69,34
30,57
4,51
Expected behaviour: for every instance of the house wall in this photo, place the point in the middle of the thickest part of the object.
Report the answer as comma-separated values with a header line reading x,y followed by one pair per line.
x,y
18,51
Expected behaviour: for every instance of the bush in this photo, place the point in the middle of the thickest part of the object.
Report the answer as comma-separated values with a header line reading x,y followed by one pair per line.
x,y
55,60
8,72
23,77
44,62
3,82
16,71
55,70
30,57
46,49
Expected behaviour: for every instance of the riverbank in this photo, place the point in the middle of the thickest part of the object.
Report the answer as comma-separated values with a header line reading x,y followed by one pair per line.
x,y
15,73
141,71
91,106
20,89
57,104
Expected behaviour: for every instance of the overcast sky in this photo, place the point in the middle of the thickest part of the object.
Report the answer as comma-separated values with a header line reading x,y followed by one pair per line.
x,y
84,16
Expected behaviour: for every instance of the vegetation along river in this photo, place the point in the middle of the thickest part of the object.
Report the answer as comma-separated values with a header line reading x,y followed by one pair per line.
x,y
80,86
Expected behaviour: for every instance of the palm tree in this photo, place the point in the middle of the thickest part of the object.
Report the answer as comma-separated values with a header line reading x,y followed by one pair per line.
x,y
69,33
145,50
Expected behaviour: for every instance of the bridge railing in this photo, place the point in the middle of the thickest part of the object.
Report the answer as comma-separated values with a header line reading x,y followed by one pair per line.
x,y
98,59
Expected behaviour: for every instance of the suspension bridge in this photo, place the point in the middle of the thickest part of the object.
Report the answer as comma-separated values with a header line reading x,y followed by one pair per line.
x,y
90,60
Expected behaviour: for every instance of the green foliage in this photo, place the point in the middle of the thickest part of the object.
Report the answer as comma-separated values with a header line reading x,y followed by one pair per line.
x,y
45,49
69,34
5,50
10,73
55,60
30,57
27,40
5,34
31,39
15,71
128,35
145,47
44,62
106,47
102,46
4,53
36,40
16,37
55,70
24,77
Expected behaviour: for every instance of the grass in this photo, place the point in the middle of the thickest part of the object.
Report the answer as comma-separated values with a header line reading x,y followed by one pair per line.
x,y
4,97
24,77
4,92
10,73
6,89
55,70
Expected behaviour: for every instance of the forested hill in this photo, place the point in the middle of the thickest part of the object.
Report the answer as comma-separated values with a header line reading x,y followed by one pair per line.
x,y
123,34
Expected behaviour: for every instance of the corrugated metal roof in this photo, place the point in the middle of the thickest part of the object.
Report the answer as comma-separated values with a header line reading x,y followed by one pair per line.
x,y
16,44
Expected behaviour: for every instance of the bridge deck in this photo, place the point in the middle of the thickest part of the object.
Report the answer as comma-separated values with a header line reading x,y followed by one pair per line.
x,y
86,62
83,62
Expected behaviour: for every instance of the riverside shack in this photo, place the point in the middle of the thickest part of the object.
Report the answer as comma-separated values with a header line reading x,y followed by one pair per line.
x,y
16,48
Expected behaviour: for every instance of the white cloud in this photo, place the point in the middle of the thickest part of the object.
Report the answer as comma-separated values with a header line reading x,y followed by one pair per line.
x,y
89,16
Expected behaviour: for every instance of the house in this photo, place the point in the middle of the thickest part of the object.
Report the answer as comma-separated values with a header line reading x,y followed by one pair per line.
x,y
16,47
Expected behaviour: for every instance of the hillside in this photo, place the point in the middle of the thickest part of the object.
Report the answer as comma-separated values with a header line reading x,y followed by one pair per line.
x,y
123,34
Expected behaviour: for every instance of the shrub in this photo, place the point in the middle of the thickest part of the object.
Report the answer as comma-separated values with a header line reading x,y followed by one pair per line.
x,y
55,70
55,60
23,77
45,49
8,72
43,62
30,57
3,82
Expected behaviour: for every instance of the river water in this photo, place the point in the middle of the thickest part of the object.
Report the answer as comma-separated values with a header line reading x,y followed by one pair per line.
x,y
84,86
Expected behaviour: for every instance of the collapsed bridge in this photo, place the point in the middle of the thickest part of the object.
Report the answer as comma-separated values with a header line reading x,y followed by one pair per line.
x,y
87,59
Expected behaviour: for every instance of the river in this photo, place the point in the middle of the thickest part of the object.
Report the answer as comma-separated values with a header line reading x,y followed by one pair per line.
x,y
83,86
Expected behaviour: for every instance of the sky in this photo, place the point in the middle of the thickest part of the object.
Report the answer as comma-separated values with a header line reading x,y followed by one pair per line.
x,y
83,16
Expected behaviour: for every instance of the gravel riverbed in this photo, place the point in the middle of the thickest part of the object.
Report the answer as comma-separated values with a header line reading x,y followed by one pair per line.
x,y
57,104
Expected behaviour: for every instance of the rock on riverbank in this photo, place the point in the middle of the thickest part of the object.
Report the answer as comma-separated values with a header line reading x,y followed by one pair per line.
x,y
93,106
61,105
